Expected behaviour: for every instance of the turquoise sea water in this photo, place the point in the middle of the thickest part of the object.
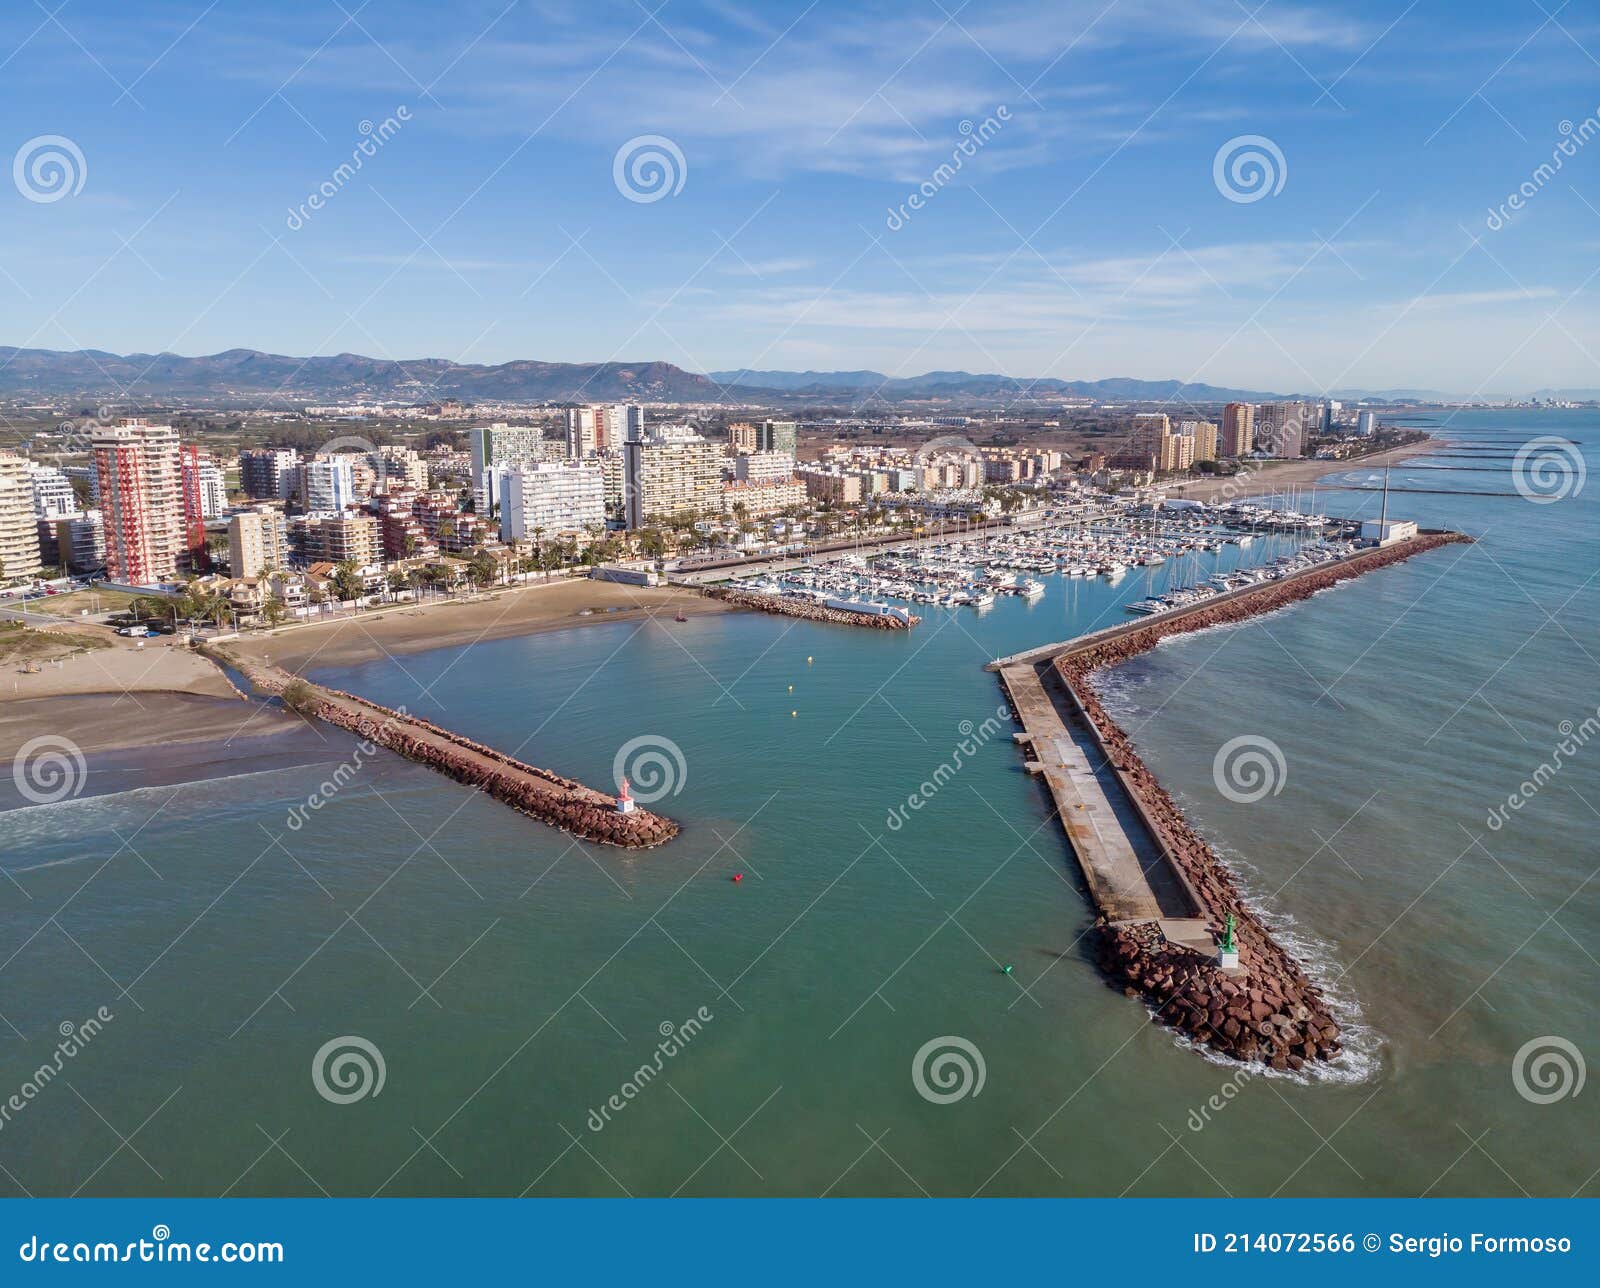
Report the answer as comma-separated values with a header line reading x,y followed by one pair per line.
x,y
515,981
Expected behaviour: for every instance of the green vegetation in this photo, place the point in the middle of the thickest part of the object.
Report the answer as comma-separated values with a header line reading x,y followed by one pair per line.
x,y
300,697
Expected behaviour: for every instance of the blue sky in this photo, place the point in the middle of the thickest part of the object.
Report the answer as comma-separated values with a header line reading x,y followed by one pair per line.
x,y
1088,235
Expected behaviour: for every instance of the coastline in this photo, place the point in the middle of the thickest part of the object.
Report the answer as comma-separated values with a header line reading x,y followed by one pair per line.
x,y
1275,477
523,610
105,722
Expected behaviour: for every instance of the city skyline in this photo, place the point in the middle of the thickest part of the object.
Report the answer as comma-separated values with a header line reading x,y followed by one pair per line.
x,y
924,188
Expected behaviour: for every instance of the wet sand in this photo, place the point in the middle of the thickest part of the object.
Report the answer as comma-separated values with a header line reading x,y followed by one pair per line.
x,y
410,628
98,722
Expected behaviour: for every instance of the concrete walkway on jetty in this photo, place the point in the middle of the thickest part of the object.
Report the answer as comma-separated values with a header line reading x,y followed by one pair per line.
x,y
1119,862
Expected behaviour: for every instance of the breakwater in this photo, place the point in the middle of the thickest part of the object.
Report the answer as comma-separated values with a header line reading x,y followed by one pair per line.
x,y
783,606
560,802
1266,1009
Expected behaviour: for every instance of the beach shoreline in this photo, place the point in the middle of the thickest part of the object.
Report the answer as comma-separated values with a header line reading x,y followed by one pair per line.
x,y
503,614
1276,476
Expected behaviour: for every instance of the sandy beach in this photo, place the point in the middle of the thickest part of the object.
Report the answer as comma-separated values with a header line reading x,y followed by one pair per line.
x,y
1274,476
410,628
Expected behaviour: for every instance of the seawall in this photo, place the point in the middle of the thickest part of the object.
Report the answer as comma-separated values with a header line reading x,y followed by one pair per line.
x,y
786,607
560,802
1267,1010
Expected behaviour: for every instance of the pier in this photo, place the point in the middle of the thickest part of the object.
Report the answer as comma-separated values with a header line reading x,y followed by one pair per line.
x,y
561,802
1166,903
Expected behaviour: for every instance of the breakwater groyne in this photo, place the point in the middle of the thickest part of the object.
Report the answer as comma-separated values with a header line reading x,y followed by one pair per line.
x,y
1164,897
561,802
784,606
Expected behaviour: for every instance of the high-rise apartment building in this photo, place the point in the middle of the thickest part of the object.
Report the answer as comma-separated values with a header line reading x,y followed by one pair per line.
x,y
19,531
498,447
741,436
543,498
338,537
669,470
1203,434
327,485
595,430
1238,435
258,540
1282,427
53,494
142,501
779,436
763,467
269,474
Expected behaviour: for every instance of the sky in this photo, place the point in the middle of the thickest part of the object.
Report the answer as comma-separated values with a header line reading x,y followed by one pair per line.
x,y
1276,196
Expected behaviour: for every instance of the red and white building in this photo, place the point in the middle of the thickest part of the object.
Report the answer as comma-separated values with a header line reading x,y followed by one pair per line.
x,y
153,526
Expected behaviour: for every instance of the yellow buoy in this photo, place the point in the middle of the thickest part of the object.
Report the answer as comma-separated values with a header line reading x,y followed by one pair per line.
x,y
792,714
791,688
808,660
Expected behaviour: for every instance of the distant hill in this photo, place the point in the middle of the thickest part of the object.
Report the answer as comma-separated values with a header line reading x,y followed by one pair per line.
x,y
968,384
249,374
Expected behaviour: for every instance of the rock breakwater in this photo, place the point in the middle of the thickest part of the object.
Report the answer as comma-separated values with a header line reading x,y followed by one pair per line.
x,y
561,802
785,607
1268,1010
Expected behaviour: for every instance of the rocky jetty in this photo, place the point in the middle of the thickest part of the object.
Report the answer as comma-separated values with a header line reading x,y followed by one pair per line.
x,y
785,607
539,793
1269,1010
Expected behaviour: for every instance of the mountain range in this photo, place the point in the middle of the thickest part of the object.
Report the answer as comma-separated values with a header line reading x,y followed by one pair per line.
x,y
249,374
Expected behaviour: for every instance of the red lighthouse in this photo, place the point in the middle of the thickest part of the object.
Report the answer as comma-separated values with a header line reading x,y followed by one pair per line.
x,y
625,802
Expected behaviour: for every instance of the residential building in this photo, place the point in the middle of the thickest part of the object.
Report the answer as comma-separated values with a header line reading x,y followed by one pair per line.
x,y
148,532
669,470
79,542
760,499
1203,434
53,494
779,436
741,436
213,489
543,498
1367,424
269,474
832,486
498,447
763,467
19,533
1238,435
258,541
1282,427
339,537
327,484
398,465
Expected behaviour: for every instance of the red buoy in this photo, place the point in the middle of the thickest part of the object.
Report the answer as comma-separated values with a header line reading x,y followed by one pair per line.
x,y
738,877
